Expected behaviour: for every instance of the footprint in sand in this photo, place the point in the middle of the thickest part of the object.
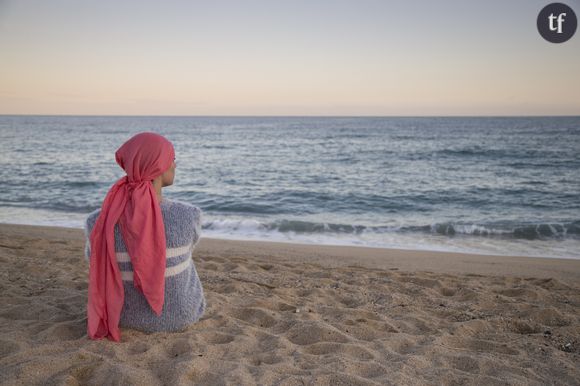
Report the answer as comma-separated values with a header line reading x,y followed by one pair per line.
x,y
549,317
265,358
341,349
402,345
284,307
210,267
519,293
422,282
138,348
350,301
305,333
478,345
446,291
216,259
521,326
7,348
230,267
179,348
80,375
363,332
253,315
365,369
24,312
549,284
219,338
318,274
228,288
266,267
463,363
71,330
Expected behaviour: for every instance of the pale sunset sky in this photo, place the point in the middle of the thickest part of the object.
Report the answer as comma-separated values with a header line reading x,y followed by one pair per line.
x,y
417,58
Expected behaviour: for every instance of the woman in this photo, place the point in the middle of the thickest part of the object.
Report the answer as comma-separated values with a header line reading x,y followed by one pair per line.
x,y
139,246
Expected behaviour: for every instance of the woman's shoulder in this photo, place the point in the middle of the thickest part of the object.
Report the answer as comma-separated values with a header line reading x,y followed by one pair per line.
x,y
179,203
177,206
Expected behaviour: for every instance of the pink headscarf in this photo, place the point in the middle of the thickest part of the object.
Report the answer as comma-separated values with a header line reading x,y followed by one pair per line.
x,y
132,202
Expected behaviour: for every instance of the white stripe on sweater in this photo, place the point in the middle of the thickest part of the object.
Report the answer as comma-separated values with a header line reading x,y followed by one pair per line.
x,y
170,254
170,271
123,257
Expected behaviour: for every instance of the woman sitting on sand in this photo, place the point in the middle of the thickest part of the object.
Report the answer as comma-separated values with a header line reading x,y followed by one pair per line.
x,y
139,245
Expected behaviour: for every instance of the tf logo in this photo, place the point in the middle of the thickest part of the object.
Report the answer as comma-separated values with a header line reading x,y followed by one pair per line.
x,y
557,22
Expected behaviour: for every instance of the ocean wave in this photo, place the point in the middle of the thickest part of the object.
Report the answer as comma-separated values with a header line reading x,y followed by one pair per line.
x,y
541,231
495,153
241,207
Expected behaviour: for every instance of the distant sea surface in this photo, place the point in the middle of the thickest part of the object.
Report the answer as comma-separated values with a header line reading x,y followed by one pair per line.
x,y
502,186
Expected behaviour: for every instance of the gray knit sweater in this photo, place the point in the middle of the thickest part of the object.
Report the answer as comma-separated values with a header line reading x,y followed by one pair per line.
x,y
184,297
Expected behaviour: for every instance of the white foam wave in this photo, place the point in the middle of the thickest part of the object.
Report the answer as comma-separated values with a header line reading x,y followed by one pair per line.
x,y
473,229
388,237
28,216
234,225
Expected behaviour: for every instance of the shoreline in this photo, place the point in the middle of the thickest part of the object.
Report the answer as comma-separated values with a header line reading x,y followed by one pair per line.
x,y
461,243
332,256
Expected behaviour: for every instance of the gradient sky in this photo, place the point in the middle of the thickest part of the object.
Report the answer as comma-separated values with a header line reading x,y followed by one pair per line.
x,y
138,57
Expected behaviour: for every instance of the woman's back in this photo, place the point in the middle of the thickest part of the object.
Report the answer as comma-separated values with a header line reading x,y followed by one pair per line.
x,y
184,297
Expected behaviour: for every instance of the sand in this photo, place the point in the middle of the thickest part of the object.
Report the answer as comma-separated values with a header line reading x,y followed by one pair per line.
x,y
289,314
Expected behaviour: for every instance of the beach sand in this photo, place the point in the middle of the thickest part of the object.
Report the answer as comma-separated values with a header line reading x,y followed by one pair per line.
x,y
290,314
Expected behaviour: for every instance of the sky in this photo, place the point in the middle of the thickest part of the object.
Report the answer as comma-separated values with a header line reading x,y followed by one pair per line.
x,y
340,58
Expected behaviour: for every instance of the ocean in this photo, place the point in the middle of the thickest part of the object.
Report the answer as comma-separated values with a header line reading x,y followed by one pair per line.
x,y
490,185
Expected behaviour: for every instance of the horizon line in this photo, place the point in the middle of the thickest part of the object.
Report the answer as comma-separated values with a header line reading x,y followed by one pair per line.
x,y
296,116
